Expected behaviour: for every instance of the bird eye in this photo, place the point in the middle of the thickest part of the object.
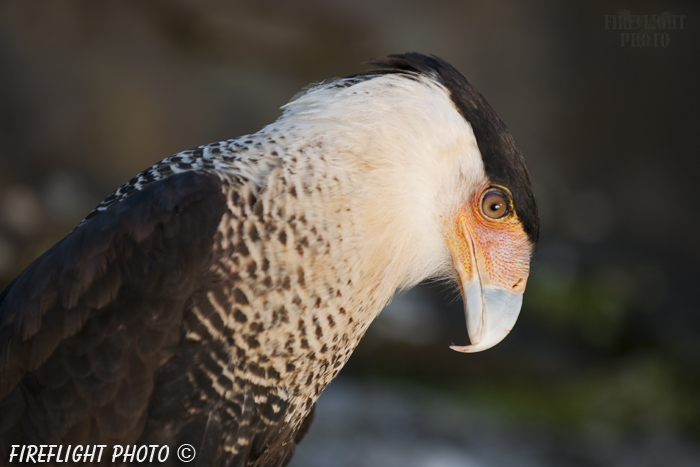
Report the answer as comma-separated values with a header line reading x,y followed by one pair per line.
x,y
494,204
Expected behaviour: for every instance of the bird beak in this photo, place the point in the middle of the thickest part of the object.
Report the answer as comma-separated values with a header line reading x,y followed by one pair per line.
x,y
491,313
493,266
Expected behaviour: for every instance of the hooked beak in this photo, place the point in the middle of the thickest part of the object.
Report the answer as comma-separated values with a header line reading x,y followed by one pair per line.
x,y
491,313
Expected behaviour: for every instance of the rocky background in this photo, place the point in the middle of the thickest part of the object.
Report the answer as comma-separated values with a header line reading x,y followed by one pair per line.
x,y
603,367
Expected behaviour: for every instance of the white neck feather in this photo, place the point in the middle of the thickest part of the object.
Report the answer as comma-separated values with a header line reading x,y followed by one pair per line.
x,y
410,161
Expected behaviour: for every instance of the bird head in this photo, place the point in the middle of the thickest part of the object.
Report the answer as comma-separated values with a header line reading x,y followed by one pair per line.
x,y
444,189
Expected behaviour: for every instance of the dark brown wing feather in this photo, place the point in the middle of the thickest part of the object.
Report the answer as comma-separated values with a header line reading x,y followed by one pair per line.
x,y
84,329
93,347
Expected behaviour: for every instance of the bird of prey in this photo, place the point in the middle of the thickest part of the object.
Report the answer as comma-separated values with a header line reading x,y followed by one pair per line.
x,y
211,299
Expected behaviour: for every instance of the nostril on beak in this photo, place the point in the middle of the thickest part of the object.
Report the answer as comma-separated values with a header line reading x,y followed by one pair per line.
x,y
519,286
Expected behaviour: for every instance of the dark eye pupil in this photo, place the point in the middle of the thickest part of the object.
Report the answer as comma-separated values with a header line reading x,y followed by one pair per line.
x,y
495,206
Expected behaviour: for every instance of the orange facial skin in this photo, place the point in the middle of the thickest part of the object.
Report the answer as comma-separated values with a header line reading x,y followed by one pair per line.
x,y
499,249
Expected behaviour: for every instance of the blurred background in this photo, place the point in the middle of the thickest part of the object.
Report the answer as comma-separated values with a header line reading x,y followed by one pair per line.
x,y
603,367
